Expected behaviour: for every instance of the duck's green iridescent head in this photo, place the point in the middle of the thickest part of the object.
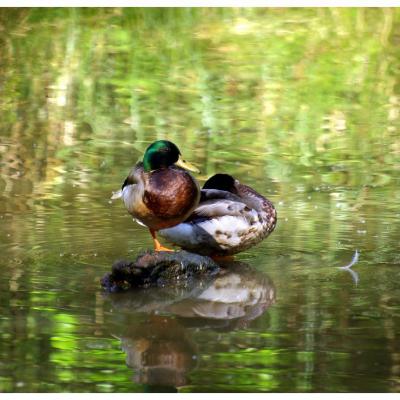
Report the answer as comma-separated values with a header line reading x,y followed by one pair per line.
x,y
162,154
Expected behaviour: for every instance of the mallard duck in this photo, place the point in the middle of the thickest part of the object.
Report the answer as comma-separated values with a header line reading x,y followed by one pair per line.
x,y
159,192
231,217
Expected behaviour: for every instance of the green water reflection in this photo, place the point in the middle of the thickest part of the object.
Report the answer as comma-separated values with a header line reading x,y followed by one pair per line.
x,y
301,104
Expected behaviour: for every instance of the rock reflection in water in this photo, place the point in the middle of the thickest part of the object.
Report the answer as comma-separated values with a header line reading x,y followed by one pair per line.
x,y
154,325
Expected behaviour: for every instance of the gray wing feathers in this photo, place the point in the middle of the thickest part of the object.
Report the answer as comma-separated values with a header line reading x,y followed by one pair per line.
x,y
211,194
220,208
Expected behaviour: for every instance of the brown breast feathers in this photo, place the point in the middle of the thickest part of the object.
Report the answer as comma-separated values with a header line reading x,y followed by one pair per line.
x,y
170,192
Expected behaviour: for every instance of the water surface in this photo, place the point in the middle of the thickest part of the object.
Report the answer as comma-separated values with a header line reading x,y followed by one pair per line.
x,y
301,104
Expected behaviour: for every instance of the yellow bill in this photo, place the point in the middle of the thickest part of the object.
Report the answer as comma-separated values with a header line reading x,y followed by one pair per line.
x,y
186,165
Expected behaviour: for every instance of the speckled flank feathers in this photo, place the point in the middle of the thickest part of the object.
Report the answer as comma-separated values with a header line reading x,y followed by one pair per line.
x,y
225,223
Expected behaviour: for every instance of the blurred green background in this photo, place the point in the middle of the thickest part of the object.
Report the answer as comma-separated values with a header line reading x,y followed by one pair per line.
x,y
302,104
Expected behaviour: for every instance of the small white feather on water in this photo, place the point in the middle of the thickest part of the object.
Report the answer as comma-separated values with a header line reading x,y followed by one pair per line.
x,y
353,261
347,268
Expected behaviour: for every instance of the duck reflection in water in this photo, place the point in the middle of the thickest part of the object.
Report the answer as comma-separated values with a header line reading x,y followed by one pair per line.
x,y
155,325
160,351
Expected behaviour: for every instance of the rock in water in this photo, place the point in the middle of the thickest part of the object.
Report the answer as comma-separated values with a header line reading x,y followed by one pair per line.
x,y
159,269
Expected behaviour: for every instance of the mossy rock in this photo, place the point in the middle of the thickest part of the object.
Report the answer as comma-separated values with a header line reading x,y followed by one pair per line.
x,y
159,269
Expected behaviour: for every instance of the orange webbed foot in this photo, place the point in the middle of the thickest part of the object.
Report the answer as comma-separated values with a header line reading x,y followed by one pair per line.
x,y
157,245
162,248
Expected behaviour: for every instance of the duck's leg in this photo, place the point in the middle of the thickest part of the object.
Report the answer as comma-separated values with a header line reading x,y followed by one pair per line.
x,y
157,245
